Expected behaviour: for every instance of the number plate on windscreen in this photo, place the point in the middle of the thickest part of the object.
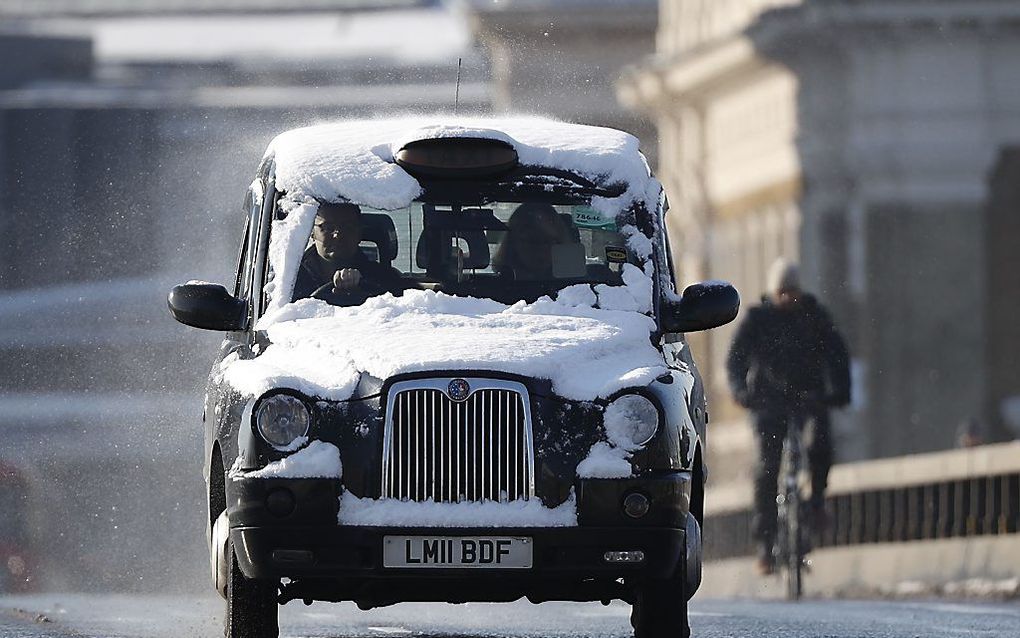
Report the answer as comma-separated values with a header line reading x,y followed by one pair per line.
x,y
489,552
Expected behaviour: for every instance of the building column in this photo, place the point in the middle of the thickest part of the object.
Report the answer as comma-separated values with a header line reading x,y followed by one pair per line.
x,y
1002,265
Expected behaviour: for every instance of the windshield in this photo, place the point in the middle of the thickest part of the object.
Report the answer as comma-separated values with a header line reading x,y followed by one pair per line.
x,y
506,251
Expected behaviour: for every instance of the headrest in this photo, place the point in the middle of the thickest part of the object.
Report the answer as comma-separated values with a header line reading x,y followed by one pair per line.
x,y
572,230
378,229
472,243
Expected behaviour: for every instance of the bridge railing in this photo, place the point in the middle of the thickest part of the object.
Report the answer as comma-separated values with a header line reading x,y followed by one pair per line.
x,y
952,494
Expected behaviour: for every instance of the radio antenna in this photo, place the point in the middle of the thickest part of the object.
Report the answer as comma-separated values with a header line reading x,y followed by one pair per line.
x,y
456,98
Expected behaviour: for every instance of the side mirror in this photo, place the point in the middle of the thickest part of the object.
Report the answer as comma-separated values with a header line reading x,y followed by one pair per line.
x,y
703,306
207,306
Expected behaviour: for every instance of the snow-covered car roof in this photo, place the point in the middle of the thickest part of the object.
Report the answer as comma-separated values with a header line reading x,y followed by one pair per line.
x,y
354,160
590,342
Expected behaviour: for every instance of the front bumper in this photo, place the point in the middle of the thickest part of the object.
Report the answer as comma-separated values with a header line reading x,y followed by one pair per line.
x,y
330,561
345,563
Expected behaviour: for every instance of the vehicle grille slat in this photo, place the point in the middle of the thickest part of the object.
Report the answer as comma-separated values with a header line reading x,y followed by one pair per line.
x,y
515,459
493,451
438,449
487,459
400,454
460,471
474,455
499,446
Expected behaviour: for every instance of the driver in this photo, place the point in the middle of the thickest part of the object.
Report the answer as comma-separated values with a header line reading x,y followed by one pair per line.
x,y
334,268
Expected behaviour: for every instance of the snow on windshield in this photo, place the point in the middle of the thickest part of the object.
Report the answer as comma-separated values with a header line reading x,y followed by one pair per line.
x,y
354,161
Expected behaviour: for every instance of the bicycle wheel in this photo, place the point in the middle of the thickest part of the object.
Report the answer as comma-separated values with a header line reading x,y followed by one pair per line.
x,y
789,510
794,559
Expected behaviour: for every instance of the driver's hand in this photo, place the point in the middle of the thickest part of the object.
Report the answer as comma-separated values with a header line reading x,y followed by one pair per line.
x,y
346,279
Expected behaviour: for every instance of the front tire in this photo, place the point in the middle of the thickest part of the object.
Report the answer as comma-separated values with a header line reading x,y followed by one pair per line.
x,y
252,610
660,609
795,558
693,557
791,543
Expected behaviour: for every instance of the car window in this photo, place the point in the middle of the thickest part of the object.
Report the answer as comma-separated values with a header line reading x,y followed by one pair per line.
x,y
666,252
242,253
508,251
244,273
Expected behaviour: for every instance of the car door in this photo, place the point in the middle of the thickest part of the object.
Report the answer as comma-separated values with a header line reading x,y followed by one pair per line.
x,y
223,406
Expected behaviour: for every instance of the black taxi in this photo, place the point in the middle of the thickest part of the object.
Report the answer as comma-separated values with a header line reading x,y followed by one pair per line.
x,y
454,369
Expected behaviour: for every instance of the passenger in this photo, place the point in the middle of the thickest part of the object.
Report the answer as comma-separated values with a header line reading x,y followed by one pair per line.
x,y
526,251
334,268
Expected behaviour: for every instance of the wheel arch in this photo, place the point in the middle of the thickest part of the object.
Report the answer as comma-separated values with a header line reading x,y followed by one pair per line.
x,y
217,485
698,486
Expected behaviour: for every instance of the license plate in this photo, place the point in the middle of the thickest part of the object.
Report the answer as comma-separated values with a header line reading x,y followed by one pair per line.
x,y
489,552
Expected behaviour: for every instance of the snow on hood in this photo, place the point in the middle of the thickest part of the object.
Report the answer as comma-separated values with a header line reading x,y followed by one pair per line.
x,y
587,353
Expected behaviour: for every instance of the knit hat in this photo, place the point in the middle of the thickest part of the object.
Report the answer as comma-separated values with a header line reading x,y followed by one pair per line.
x,y
783,276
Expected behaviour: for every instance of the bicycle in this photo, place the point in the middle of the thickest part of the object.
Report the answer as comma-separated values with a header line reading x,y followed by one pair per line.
x,y
792,543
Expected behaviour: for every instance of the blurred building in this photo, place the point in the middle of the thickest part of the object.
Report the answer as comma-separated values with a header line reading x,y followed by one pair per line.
x,y
878,142
129,132
562,57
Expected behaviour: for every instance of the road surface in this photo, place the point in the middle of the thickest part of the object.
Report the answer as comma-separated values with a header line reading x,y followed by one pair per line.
x,y
122,616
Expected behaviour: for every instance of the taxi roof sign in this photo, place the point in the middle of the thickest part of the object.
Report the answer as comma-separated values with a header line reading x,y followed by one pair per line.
x,y
457,157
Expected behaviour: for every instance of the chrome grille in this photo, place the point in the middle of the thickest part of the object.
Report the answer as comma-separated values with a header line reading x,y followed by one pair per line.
x,y
438,449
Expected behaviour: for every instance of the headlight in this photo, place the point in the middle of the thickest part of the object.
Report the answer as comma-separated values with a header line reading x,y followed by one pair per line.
x,y
282,419
631,421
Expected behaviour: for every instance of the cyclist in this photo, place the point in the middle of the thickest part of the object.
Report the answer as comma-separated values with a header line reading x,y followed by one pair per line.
x,y
787,363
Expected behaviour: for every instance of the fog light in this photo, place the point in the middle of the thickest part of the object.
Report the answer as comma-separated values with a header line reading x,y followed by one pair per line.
x,y
293,557
280,502
635,505
624,557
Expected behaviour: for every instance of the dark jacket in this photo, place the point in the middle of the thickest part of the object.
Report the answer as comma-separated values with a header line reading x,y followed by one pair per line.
x,y
784,358
376,279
